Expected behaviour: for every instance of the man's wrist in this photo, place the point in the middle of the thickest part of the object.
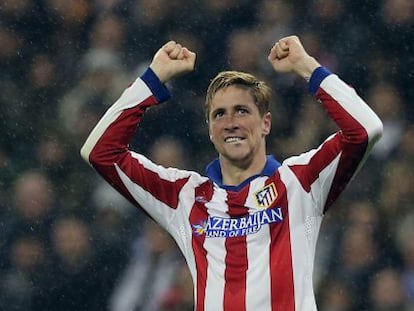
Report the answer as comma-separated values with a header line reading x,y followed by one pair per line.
x,y
309,66
159,72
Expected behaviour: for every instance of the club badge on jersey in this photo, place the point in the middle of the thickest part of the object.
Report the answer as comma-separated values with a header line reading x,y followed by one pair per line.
x,y
266,196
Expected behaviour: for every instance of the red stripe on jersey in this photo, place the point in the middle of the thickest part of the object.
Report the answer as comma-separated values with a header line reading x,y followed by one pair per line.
x,y
199,215
236,256
164,190
348,163
281,271
235,274
308,173
353,131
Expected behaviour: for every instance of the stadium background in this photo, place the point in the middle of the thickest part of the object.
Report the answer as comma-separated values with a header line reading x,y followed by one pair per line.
x,y
66,239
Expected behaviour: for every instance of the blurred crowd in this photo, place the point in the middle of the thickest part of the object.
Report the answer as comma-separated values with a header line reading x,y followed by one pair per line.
x,y
69,242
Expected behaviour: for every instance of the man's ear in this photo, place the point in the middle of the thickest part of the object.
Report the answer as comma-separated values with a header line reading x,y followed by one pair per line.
x,y
267,123
210,135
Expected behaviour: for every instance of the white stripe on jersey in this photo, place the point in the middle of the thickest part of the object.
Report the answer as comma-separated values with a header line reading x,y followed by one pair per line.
x,y
258,258
216,255
320,189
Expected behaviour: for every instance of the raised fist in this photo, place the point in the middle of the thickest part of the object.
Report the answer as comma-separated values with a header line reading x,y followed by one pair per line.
x,y
172,60
288,55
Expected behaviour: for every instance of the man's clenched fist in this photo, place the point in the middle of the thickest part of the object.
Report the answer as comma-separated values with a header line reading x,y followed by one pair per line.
x,y
172,60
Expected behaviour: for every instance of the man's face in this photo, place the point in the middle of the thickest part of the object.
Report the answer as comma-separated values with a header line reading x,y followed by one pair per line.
x,y
236,127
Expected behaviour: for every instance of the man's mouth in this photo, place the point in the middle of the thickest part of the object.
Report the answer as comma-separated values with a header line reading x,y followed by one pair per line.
x,y
233,139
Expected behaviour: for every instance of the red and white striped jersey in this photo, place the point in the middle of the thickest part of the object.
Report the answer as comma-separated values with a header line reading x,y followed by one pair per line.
x,y
252,246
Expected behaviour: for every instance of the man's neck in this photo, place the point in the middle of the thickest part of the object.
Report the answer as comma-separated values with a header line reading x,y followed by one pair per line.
x,y
235,173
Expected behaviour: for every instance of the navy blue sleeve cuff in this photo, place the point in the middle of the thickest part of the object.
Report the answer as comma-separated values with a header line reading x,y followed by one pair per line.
x,y
157,88
316,78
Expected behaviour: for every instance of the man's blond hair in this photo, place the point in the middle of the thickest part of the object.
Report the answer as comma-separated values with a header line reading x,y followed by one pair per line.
x,y
259,90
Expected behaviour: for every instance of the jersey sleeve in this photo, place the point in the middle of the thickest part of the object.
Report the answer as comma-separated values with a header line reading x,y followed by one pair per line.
x,y
324,172
154,188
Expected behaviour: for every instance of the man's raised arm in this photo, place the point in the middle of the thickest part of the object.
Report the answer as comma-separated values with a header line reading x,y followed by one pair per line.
x,y
107,147
353,116
341,155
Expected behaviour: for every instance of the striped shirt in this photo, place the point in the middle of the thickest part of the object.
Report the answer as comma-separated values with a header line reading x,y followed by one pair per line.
x,y
251,246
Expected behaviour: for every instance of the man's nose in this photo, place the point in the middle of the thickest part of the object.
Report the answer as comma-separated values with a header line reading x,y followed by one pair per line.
x,y
231,123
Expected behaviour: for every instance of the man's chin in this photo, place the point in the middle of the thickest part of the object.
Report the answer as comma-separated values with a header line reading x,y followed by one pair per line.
x,y
237,158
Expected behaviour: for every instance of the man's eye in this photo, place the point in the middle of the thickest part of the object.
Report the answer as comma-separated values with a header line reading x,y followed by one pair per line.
x,y
242,111
218,114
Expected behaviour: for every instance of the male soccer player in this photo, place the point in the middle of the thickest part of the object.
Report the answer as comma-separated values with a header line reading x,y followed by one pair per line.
x,y
248,231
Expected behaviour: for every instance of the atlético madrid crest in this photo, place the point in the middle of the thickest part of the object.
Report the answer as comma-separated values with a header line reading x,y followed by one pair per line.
x,y
266,196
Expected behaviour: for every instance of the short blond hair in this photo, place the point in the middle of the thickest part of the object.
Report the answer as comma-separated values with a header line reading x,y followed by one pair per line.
x,y
259,90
